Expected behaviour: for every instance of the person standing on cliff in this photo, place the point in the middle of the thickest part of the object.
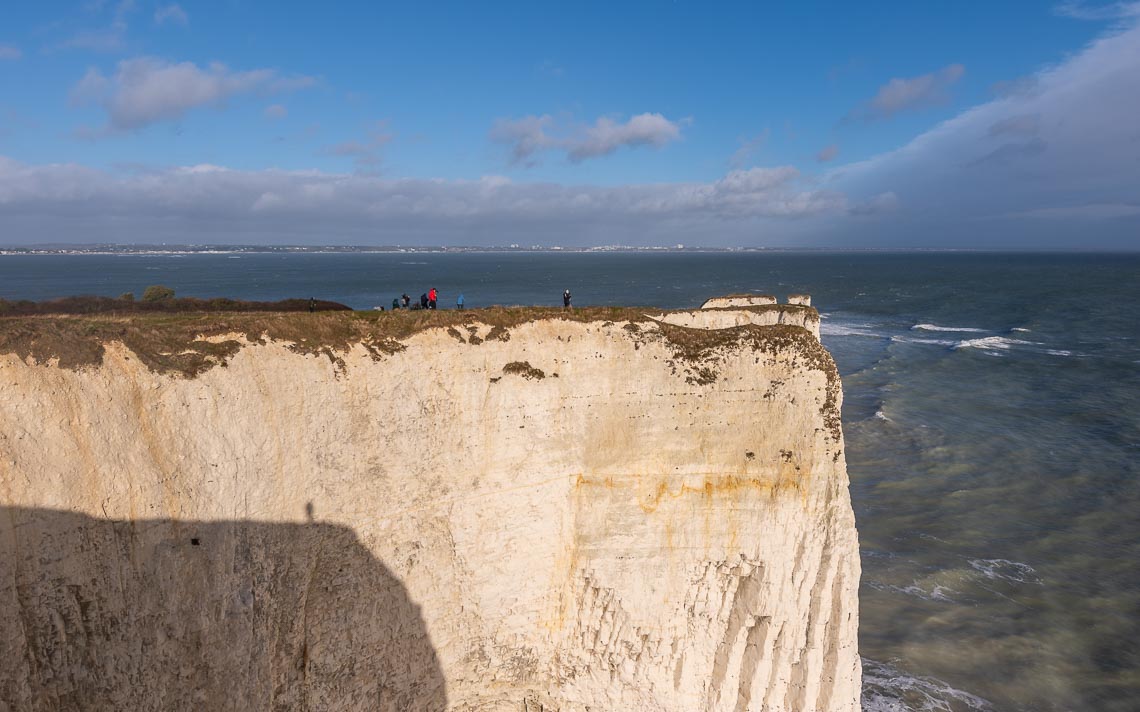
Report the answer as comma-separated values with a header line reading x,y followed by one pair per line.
x,y
459,302
432,294
566,299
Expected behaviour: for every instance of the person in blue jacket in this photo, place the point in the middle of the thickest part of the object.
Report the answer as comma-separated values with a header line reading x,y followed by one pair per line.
x,y
459,302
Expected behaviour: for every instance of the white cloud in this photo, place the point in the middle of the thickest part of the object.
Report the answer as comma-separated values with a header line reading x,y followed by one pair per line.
x,y
8,51
172,13
827,153
532,135
176,204
145,90
901,94
607,135
527,136
276,111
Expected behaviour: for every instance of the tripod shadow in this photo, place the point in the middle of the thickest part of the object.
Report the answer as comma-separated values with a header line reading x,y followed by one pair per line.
x,y
99,614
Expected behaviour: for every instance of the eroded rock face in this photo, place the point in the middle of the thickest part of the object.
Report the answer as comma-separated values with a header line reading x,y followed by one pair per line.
x,y
582,516
739,300
718,317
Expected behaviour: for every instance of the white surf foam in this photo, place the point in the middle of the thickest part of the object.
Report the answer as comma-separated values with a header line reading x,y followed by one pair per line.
x,y
1006,570
832,329
937,593
882,416
1016,328
1058,352
990,343
888,689
935,342
935,327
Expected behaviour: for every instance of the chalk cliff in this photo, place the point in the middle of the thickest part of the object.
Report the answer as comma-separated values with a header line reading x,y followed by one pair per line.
x,y
595,511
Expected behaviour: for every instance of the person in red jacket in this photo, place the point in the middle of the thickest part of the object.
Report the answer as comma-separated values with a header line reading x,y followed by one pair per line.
x,y
432,294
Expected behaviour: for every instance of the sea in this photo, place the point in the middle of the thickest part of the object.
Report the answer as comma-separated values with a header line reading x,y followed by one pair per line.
x,y
991,411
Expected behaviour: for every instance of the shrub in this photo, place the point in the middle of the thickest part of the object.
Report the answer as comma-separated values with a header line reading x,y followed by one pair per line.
x,y
127,297
157,293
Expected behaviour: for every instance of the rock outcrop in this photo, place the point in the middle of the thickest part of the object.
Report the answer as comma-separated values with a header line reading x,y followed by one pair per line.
x,y
739,300
559,514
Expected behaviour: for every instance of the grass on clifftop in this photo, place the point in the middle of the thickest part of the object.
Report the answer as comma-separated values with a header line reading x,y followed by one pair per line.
x,y
172,341
178,342
164,302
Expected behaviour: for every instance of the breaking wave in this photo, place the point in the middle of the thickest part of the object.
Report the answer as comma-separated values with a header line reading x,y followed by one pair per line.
x,y
935,342
1006,570
935,327
888,689
827,328
992,342
936,593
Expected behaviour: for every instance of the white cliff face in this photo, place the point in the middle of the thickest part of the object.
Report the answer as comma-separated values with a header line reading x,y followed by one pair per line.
x,y
586,516
718,317
739,300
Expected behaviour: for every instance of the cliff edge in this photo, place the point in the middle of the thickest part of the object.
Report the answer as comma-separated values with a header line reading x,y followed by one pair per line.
x,y
490,510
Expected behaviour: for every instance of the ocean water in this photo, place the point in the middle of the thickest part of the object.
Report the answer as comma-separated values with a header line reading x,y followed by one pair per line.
x,y
992,417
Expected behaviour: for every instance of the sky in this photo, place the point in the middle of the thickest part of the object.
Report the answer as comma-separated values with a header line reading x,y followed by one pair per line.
x,y
757,124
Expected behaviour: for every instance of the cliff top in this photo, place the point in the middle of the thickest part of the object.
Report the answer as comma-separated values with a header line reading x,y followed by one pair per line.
x,y
189,343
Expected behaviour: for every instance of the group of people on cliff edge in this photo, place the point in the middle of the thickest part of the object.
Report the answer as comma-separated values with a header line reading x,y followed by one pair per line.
x,y
429,299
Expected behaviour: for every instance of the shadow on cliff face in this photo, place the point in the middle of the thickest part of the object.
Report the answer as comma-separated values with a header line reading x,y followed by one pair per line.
x,y
99,614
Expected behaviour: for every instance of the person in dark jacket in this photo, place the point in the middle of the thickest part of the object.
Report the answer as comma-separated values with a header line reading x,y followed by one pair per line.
x,y
566,299
424,301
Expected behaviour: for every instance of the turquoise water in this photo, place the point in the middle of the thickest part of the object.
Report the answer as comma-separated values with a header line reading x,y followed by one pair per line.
x,y
992,416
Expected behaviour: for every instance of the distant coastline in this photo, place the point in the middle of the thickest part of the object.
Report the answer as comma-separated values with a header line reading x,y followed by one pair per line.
x,y
165,249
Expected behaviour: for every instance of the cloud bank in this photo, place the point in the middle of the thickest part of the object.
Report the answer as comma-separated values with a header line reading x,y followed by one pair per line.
x,y
1065,146
55,203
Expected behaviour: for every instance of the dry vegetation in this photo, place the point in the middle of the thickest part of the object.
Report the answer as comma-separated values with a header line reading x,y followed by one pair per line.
x,y
157,302
524,369
171,340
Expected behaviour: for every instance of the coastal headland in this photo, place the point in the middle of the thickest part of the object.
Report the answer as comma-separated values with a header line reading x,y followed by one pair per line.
x,y
493,509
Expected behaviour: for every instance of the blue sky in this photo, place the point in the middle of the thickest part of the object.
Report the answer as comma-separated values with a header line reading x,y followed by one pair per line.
x,y
587,123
